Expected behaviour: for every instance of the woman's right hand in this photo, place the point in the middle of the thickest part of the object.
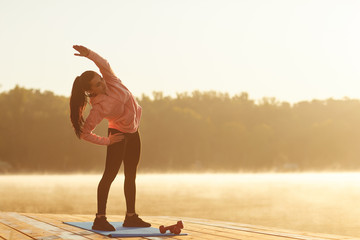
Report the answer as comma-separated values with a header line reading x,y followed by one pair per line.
x,y
117,137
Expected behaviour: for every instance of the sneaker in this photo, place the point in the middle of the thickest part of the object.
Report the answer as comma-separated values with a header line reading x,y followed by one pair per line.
x,y
101,224
135,221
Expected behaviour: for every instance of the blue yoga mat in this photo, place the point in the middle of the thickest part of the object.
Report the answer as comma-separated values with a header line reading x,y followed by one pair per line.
x,y
124,231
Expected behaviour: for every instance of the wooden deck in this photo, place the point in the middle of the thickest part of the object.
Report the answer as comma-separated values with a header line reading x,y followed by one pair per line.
x,y
18,226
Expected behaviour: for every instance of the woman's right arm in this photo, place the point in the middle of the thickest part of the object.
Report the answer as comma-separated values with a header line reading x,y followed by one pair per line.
x,y
93,119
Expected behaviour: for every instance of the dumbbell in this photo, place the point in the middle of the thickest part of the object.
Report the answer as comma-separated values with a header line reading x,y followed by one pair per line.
x,y
176,228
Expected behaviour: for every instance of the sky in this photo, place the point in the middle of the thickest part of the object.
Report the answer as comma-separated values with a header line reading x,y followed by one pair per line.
x,y
292,50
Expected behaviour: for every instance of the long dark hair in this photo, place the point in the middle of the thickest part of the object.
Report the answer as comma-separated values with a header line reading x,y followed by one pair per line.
x,y
78,100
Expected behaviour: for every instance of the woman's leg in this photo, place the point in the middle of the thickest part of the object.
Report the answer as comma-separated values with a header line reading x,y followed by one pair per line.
x,y
131,160
114,157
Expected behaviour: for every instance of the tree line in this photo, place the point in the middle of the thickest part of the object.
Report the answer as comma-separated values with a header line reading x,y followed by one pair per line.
x,y
198,131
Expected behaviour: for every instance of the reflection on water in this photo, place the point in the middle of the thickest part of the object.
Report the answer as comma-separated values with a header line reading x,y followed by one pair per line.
x,y
325,202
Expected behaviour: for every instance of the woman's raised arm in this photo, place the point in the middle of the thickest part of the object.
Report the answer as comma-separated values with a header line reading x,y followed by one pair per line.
x,y
83,51
100,62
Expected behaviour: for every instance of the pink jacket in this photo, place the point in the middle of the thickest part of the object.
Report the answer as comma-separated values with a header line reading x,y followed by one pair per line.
x,y
118,105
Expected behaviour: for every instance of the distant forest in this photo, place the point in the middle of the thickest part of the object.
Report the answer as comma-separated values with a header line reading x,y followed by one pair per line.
x,y
192,132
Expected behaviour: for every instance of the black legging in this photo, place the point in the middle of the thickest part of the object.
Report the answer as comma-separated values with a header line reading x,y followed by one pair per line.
x,y
128,150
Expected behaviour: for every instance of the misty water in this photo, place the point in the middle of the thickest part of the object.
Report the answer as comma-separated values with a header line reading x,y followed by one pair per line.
x,y
312,202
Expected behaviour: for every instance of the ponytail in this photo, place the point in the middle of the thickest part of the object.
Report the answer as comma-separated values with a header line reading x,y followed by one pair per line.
x,y
78,100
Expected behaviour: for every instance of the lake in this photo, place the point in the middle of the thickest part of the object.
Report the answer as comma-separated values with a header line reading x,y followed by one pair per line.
x,y
313,202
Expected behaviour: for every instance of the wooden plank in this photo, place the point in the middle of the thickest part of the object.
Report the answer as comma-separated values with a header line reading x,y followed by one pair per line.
x,y
266,229
213,229
58,219
223,230
50,227
209,233
192,234
212,232
8,233
38,229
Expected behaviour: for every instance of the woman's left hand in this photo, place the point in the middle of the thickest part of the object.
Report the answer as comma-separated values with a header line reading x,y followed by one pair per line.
x,y
83,51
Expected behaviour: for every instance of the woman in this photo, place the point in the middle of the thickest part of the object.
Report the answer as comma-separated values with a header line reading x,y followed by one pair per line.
x,y
111,100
